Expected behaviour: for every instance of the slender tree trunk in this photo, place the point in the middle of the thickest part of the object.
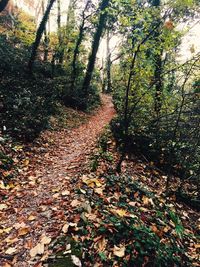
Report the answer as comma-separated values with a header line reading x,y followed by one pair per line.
x,y
60,41
95,46
68,11
108,63
46,38
3,4
77,47
159,83
158,67
103,77
39,36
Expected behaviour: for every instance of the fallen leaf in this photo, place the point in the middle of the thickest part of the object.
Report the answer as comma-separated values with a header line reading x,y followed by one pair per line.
x,y
45,240
10,251
3,206
65,228
154,229
91,182
31,218
76,261
101,244
75,203
5,230
23,231
65,193
98,191
132,204
120,212
6,265
10,240
19,225
119,251
37,250
145,200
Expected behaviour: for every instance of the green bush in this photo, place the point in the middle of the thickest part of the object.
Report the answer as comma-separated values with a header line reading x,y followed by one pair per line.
x,y
26,105
172,139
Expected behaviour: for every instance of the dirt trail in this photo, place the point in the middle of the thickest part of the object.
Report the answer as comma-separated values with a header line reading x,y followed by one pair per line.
x,y
39,205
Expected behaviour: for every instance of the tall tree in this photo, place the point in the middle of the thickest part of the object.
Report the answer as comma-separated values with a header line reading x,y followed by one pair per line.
x,y
158,62
39,34
108,62
78,43
60,39
95,45
3,4
46,37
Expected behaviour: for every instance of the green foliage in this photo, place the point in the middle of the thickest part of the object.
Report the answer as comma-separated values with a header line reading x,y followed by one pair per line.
x,y
27,105
102,152
26,102
169,134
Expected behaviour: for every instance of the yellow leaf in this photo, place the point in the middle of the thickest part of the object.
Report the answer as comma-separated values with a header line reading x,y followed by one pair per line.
x,y
45,240
31,218
120,212
166,229
23,231
37,250
10,251
119,251
2,186
101,244
3,206
91,182
26,162
5,230
197,245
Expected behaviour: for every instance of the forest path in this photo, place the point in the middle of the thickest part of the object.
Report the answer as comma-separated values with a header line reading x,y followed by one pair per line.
x,y
39,205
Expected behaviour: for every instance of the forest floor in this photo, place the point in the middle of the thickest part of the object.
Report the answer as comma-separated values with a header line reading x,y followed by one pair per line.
x,y
56,198
36,205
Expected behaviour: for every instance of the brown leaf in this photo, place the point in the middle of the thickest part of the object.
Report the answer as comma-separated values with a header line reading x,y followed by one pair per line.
x,y
23,231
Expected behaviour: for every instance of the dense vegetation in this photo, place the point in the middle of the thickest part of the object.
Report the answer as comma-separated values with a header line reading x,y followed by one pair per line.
x,y
156,94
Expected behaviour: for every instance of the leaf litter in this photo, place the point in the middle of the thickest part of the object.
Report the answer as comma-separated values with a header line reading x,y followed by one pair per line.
x,y
61,208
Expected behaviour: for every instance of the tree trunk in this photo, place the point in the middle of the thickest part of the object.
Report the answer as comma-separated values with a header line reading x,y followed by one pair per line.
x,y
60,41
108,63
39,36
3,4
95,46
46,38
158,67
159,83
77,47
